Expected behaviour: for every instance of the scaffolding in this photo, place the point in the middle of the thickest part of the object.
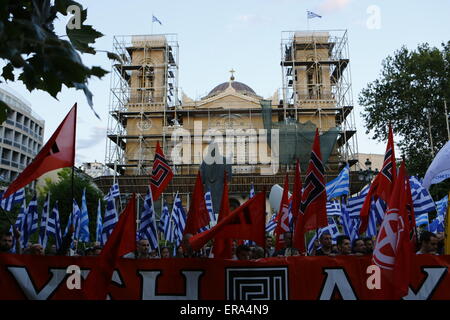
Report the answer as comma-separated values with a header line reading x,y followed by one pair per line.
x,y
144,90
317,84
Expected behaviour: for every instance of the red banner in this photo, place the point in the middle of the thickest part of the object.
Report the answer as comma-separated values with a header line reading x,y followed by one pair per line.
x,y
304,278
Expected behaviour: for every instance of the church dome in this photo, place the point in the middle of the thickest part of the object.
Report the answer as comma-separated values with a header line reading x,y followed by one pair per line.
x,y
236,85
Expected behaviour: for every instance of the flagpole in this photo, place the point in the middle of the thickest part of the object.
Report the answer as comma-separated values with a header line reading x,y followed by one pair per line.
x,y
151,32
446,119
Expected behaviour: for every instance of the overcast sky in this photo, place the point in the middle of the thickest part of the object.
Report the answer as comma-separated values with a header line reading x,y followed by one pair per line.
x,y
244,35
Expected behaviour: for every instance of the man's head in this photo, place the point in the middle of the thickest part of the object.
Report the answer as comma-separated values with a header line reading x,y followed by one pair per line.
x,y
343,244
269,241
257,253
325,240
143,247
369,245
97,250
359,246
37,249
429,242
6,241
287,238
243,252
165,252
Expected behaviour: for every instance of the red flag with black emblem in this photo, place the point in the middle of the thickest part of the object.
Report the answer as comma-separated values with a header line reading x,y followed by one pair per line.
x,y
222,248
246,222
383,183
162,174
282,218
314,198
58,152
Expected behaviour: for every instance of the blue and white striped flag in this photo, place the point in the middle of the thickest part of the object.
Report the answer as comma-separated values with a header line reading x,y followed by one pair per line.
x,y
423,219
166,223
155,19
147,224
355,204
209,207
272,224
423,202
44,220
333,208
98,229
114,190
252,191
20,220
84,220
76,216
8,203
31,221
179,219
340,186
349,224
441,206
312,15
110,219
54,226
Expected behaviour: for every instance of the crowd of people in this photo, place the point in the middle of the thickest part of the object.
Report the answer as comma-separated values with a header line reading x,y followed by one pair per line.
x,y
429,243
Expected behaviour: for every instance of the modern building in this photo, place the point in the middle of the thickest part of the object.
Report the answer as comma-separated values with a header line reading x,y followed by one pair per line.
x,y
146,107
95,169
21,135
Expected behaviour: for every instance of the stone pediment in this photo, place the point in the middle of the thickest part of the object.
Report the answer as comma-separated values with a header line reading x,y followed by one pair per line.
x,y
229,99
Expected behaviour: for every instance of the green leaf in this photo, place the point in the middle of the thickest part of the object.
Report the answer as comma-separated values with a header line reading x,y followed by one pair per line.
x,y
8,72
4,109
98,72
81,38
113,56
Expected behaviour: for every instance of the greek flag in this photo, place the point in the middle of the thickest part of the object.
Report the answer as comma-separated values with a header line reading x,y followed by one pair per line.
x,y
155,19
332,229
147,225
54,226
423,202
114,190
272,224
339,186
350,225
355,204
179,219
312,15
110,219
31,221
166,223
84,220
8,203
333,208
209,207
437,225
422,219
76,219
252,191
71,220
18,225
44,221
441,206
98,230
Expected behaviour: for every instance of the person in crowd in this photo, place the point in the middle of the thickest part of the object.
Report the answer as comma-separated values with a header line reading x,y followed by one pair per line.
x,y
142,250
97,250
37,249
441,239
428,243
270,250
257,253
188,252
52,250
243,252
179,252
154,254
359,247
6,241
165,252
89,252
368,242
287,250
343,245
326,244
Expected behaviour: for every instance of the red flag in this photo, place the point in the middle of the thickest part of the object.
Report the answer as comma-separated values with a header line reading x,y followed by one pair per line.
x,y
314,198
246,222
58,152
297,196
222,248
198,215
382,185
393,252
121,241
162,174
283,216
